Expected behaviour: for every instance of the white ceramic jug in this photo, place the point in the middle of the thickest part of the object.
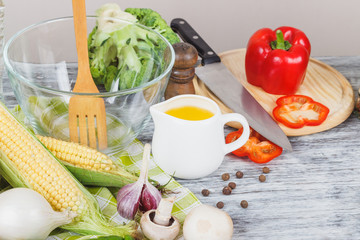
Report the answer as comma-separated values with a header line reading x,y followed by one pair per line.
x,y
192,149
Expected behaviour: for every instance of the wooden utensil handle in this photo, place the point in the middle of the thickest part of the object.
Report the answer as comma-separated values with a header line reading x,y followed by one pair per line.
x,y
84,81
183,72
188,34
79,12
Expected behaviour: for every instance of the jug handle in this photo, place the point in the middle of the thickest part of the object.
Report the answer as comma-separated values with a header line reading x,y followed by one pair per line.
x,y
230,117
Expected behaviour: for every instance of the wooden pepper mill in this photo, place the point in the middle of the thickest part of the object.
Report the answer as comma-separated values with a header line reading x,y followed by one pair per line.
x,y
183,72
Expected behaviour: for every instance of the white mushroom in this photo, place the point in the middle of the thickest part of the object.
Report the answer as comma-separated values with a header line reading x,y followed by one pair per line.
x,y
159,224
207,222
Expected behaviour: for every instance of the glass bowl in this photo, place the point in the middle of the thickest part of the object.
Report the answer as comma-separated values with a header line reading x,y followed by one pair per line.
x,y
41,62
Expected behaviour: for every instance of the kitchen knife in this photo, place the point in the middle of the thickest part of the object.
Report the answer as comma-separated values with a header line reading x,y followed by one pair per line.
x,y
227,88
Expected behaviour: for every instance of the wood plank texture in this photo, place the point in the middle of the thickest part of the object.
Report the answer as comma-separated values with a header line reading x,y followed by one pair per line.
x,y
311,193
322,82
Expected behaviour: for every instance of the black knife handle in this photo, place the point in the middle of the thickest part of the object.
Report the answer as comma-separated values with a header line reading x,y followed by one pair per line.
x,y
189,35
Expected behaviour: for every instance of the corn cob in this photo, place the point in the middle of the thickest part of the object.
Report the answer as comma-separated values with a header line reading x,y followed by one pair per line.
x,y
25,162
77,154
88,165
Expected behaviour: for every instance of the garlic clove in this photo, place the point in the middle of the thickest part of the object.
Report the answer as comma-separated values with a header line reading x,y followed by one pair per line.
x,y
128,200
150,197
140,194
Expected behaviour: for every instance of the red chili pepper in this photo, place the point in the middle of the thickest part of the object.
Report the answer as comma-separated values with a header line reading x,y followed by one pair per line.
x,y
296,111
277,60
257,148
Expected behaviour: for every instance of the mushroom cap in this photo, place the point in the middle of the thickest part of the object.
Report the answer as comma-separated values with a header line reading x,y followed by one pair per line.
x,y
208,222
155,231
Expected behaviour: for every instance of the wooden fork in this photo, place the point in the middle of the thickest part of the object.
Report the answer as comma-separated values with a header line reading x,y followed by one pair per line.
x,y
86,114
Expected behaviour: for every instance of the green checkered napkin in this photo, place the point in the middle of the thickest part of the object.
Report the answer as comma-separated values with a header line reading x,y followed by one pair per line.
x,y
130,158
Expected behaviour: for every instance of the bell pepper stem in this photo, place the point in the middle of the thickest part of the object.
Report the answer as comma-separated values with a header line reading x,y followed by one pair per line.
x,y
280,43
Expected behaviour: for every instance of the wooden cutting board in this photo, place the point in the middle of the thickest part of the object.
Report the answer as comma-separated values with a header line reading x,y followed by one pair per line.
x,y
322,83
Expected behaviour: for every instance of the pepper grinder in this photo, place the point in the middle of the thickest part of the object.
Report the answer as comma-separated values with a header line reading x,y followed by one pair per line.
x,y
183,72
357,104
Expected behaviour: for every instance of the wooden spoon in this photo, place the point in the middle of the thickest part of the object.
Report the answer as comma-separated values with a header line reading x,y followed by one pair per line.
x,y
86,114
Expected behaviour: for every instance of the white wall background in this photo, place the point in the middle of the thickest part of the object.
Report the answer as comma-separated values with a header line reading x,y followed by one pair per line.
x,y
333,26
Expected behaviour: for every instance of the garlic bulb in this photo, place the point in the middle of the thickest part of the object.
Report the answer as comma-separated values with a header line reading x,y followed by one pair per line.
x,y
25,214
140,194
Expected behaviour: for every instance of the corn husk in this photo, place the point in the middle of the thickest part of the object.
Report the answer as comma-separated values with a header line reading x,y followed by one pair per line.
x,y
91,221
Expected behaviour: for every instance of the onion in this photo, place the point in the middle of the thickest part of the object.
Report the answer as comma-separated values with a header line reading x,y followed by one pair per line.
x,y
25,214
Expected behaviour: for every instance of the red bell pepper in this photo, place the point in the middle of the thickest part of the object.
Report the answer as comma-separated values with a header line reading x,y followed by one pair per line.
x,y
257,148
296,111
277,60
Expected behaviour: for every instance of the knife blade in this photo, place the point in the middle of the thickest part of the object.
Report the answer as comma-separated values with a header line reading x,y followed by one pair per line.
x,y
227,88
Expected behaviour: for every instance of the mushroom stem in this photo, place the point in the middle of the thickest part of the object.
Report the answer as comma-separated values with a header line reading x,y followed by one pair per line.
x,y
163,212
159,224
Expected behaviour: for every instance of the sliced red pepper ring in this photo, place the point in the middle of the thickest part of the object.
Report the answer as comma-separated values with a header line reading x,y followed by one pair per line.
x,y
257,148
297,111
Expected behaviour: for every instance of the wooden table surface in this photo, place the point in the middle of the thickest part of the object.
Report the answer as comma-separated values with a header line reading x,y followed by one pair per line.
x,y
312,192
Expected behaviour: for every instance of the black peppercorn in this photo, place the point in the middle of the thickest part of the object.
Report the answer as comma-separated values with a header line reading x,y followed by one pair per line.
x,y
205,192
239,174
226,190
262,178
244,204
220,204
225,176
266,170
232,185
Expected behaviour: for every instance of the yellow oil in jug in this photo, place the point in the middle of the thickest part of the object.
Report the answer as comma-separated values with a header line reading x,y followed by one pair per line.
x,y
191,113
